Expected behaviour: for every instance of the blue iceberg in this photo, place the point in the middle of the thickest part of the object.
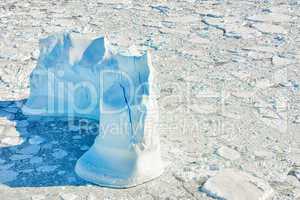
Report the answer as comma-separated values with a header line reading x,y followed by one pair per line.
x,y
79,76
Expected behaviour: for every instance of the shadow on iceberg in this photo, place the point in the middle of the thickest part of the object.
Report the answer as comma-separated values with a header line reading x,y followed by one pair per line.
x,y
44,156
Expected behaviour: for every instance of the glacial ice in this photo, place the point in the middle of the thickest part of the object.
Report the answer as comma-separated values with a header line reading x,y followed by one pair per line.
x,y
79,76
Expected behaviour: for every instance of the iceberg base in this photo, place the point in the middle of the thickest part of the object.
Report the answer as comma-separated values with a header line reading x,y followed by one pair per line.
x,y
119,168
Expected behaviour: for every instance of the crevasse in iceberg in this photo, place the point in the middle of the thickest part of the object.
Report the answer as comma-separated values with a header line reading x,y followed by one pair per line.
x,y
84,77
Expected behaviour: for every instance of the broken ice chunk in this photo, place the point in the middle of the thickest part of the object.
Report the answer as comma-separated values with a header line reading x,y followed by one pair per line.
x,y
36,140
237,185
38,197
11,140
46,168
36,160
269,28
59,153
68,196
281,61
228,153
7,176
30,150
270,17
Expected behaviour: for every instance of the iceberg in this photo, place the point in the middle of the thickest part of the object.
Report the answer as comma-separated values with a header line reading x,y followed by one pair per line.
x,y
80,76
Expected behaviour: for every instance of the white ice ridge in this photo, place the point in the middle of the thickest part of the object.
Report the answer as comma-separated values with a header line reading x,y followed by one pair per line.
x,y
85,77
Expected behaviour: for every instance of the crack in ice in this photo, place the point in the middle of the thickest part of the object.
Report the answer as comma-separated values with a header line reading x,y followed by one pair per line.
x,y
132,140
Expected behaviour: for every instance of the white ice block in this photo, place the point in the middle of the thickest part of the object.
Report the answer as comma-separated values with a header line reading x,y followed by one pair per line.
x,y
84,77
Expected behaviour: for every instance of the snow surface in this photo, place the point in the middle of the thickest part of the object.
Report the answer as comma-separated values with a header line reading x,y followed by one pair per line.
x,y
225,80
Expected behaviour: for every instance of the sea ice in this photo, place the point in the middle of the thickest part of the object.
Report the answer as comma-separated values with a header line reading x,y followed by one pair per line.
x,y
20,157
11,140
271,17
36,160
46,168
7,176
36,140
237,185
59,154
11,131
68,196
270,28
84,77
228,153
38,197
30,150
6,166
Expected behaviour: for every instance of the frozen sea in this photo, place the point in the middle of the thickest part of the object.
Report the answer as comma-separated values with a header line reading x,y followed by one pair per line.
x,y
228,76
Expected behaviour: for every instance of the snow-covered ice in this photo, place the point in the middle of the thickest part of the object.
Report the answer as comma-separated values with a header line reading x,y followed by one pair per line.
x,y
237,185
228,153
